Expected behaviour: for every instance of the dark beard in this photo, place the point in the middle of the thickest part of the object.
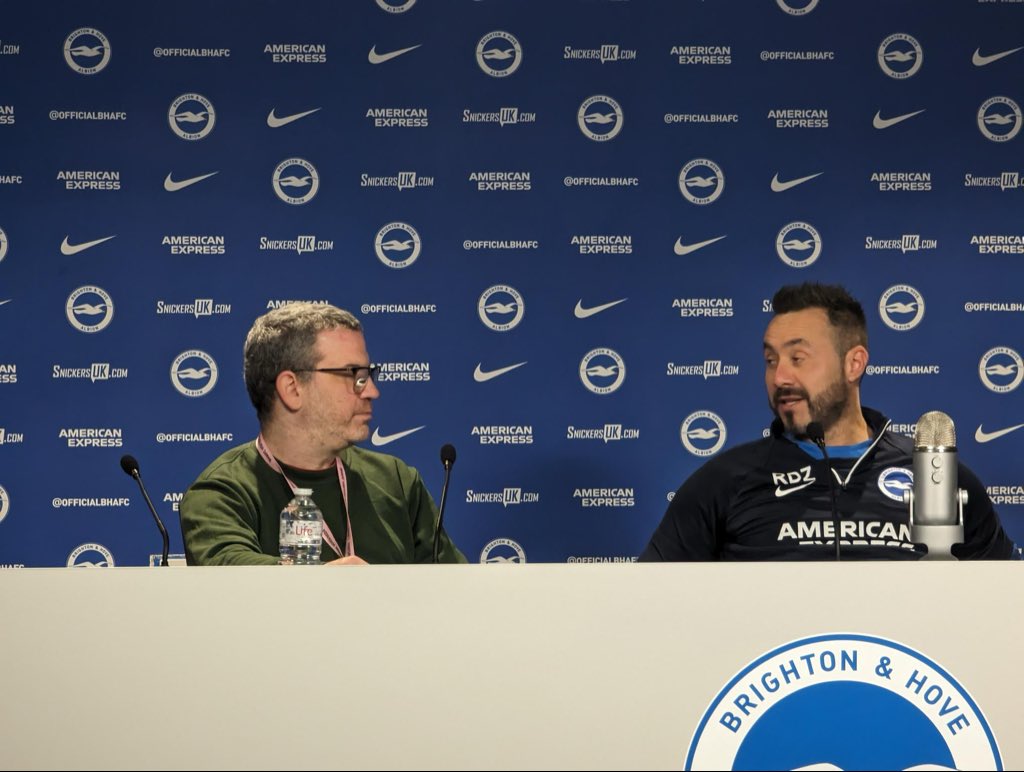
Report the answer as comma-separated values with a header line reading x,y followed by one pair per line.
x,y
827,408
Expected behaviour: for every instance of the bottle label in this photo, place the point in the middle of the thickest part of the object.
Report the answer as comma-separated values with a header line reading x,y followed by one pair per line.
x,y
301,532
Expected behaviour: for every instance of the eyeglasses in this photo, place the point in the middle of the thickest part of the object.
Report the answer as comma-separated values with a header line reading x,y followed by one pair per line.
x,y
360,375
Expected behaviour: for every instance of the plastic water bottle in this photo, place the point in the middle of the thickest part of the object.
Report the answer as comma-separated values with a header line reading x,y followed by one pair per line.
x,y
302,530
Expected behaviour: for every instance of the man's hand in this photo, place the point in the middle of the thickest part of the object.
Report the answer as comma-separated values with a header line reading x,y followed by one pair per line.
x,y
349,560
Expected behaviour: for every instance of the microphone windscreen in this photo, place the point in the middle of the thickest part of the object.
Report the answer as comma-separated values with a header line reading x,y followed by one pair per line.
x,y
129,465
935,430
447,454
815,431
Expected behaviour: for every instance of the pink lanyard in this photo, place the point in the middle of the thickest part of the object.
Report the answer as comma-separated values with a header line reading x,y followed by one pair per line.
x,y
350,549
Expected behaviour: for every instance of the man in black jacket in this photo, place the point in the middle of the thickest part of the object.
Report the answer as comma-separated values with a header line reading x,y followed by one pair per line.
x,y
770,499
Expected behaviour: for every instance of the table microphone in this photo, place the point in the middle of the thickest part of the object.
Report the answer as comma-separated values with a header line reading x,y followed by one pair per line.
x,y
936,503
816,434
131,468
448,460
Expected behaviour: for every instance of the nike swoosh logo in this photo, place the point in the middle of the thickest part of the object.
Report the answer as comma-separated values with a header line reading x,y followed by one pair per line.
x,y
275,123
779,493
583,313
379,439
6,301
480,375
778,186
376,58
884,123
66,248
170,185
980,61
684,249
983,436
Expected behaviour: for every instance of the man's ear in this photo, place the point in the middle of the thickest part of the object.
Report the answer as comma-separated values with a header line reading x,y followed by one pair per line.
x,y
856,363
289,390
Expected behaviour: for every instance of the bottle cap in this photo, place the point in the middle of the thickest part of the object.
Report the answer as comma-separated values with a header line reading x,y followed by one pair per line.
x,y
303,491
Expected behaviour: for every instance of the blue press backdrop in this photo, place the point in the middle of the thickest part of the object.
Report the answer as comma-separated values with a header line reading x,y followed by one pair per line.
x,y
419,109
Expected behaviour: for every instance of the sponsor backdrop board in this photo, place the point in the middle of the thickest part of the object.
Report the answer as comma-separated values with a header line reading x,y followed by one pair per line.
x,y
561,224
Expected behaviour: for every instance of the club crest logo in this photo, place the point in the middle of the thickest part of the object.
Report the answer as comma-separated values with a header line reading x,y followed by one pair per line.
x,y
499,54
191,116
602,370
296,181
999,119
894,481
795,7
843,701
397,245
501,307
502,551
798,244
600,118
701,181
89,309
1001,369
87,51
396,6
901,307
900,56
194,373
90,556
703,433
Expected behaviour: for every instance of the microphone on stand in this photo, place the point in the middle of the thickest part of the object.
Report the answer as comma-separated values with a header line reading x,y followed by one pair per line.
x,y
448,460
816,434
131,468
936,504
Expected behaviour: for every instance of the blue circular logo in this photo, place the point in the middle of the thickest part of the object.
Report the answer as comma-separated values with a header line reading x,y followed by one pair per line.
x,y
843,701
894,481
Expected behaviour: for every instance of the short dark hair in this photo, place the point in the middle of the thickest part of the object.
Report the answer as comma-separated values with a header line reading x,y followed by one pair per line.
x,y
845,313
285,339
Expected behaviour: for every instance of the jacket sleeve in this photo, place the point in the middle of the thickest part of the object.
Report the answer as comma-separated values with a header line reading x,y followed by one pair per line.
x,y
423,515
693,527
219,528
984,537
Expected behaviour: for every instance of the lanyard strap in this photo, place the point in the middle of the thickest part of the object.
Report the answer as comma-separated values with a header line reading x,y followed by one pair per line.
x,y
350,549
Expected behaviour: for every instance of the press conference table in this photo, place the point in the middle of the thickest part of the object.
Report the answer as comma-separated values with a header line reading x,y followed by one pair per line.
x,y
452,667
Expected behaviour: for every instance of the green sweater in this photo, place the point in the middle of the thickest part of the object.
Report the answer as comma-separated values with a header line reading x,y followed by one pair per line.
x,y
231,514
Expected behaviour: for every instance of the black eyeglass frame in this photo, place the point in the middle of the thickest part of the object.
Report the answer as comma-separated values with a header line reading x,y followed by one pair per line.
x,y
360,375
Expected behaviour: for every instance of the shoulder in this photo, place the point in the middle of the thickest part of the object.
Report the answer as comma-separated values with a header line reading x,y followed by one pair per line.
x,y
235,475
237,461
720,477
969,480
384,476
371,463
895,448
891,442
744,457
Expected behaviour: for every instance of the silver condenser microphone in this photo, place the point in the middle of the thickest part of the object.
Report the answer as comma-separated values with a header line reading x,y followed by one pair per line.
x,y
936,504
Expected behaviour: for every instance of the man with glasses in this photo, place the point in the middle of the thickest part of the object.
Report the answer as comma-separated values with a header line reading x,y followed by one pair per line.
x,y
310,379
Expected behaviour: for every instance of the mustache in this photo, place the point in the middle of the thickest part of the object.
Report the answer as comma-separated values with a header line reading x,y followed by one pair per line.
x,y
780,394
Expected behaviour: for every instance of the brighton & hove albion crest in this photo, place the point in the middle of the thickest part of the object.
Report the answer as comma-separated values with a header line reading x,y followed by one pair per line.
x,y
843,701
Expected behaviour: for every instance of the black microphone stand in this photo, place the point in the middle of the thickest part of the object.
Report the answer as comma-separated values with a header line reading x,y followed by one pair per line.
x,y
131,468
816,433
448,459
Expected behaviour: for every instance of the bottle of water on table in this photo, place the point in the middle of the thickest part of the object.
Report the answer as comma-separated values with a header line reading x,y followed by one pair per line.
x,y
302,530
